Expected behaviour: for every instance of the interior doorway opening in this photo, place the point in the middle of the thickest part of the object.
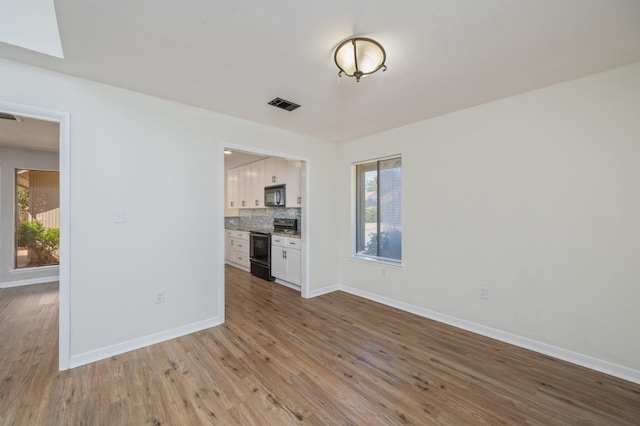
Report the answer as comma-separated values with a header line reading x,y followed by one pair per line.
x,y
262,189
30,137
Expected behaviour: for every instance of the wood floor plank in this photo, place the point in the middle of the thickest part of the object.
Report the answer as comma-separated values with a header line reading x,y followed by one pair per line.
x,y
280,359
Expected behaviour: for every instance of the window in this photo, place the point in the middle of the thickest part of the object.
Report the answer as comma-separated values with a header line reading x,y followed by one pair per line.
x,y
37,218
379,209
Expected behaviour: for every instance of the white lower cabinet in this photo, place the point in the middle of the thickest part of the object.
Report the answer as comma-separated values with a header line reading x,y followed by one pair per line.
x,y
236,246
241,257
278,262
294,269
228,248
286,259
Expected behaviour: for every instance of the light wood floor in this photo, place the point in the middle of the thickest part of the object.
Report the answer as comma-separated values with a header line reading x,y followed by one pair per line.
x,y
280,359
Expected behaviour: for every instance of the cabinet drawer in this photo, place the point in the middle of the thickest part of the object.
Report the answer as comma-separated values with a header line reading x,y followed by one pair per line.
x,y
277,240
229,232
241,235
294,243
241,246
241,258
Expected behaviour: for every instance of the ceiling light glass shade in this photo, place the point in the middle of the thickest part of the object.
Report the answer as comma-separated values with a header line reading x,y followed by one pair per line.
x,y
360,56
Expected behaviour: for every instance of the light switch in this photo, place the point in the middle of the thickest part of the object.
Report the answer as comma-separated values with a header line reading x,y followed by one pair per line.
x,y
118,216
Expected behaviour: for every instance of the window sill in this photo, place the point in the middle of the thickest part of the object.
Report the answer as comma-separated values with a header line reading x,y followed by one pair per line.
x,y
34,268
376,261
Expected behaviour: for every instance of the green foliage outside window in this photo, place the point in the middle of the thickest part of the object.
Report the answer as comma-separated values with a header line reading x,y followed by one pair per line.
x,y
390,244
43,243
371,214
23,200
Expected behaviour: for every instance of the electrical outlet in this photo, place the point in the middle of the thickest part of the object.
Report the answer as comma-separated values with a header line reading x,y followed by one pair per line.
x,y
160,296
484,293
118,216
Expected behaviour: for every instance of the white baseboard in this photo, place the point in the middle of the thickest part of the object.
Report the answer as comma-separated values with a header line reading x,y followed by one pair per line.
x,y
503,336
324,290
287,284
141,342
237,265
29,281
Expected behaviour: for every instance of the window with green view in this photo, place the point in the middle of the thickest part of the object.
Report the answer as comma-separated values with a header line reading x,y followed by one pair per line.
x,y
379,209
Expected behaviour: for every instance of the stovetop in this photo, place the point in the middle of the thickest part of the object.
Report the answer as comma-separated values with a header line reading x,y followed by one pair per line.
x,y
285,226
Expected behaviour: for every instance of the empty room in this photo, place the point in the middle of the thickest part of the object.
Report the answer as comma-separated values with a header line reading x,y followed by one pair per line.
x,y
415,212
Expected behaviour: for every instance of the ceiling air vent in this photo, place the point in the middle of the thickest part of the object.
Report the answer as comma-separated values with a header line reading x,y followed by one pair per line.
x,y
281,103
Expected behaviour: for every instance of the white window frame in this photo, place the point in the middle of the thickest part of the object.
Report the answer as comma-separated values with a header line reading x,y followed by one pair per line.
x,y
354,216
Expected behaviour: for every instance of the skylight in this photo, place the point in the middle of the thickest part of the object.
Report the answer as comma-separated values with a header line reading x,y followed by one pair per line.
x,y
30,24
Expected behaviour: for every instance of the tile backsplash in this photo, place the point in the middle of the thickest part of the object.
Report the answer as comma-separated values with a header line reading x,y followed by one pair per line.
x,y
261,218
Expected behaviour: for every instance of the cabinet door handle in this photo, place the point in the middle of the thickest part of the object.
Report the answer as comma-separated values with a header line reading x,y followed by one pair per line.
x,y
273,179
232,204
256,202
232,242
284,254
299,200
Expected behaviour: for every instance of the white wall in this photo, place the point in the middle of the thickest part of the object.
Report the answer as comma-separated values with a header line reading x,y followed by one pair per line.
x,y
10,160
535,197
160,162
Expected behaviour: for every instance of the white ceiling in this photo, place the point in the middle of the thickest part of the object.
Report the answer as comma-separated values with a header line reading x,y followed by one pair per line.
x,y
442,55
239,158
30,133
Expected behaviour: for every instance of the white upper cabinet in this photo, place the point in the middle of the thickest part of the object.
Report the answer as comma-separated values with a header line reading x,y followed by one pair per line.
x,y
275,171
245,185
232,189
254,178
255,184
241,193
294,183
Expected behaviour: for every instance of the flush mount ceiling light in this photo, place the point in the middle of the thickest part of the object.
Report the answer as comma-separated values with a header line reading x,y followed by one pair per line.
x,y
359,56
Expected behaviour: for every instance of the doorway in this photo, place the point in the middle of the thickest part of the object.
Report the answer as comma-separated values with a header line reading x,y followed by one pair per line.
x,y
237,158
22,145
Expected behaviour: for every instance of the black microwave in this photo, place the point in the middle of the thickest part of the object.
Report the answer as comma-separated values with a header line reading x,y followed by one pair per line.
x,y
275,196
